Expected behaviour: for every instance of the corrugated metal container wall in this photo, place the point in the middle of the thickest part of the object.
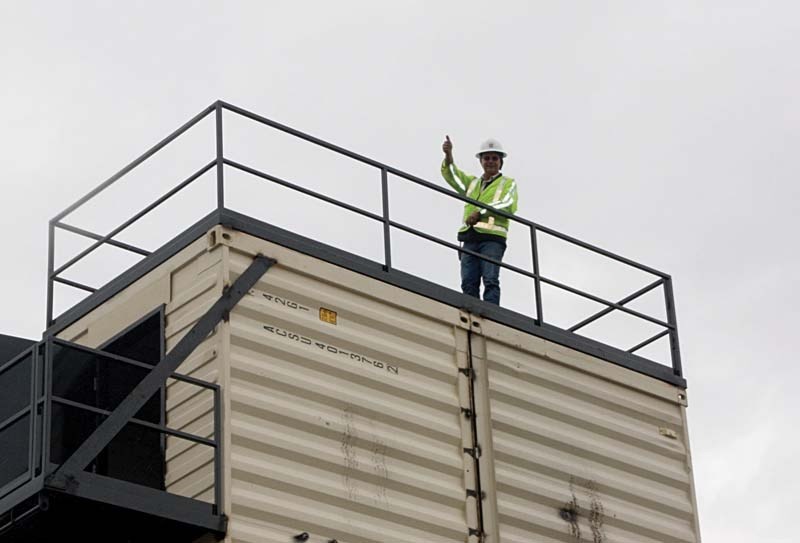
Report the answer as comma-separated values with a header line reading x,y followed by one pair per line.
x,y
348,429
356,431
194,288
581,450
187,284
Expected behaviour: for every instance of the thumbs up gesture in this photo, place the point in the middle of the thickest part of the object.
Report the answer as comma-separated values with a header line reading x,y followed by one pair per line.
x,y
447,147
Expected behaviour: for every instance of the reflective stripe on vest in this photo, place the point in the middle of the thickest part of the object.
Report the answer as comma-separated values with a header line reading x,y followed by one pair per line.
x,y
490,226
498,193
472,188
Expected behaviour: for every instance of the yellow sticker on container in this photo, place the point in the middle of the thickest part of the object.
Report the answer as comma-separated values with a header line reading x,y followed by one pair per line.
x,y
327,315
668,432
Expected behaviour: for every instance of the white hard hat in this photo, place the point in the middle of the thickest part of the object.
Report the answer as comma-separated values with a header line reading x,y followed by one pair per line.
x,y
491,146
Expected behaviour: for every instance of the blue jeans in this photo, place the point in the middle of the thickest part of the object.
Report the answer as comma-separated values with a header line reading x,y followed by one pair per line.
x,y
474,268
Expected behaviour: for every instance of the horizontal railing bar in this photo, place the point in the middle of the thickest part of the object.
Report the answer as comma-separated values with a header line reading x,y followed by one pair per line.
x,y
528,274
370,215
362,158
103,354
74,284
602,252
623,301
17,518
17,359
437,188
138,422
100,240
98,237
135,218
521,220
194,381
605,302
413,231
153,150
283,128
649,341
15,417
132,362
303,190
460,249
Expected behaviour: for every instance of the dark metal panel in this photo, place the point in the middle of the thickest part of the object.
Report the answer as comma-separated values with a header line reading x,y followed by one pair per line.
x,y
11,346
147,500
159,314
21,494
110,427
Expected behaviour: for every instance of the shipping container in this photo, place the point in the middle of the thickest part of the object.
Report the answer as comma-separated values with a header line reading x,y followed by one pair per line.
x,y
358,411
245,383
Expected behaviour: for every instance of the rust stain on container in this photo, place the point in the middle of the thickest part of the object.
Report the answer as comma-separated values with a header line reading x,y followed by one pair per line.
x,y
571,512
349,437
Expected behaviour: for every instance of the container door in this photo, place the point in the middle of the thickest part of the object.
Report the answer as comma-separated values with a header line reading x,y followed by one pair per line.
x,y
348,418
576,449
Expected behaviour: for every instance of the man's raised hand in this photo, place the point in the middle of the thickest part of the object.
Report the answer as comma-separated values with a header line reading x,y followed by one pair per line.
x,y
447,147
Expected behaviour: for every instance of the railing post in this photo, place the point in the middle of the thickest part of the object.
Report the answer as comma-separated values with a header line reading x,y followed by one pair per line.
x,y
34,389
217,451
47,414
220,164
387,244
536,281
674,345
51,239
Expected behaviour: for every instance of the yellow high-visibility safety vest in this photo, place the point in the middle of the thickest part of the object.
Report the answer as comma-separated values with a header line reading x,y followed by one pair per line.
x,y
501,194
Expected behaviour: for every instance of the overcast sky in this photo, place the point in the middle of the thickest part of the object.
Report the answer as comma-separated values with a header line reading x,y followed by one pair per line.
x,y
663,131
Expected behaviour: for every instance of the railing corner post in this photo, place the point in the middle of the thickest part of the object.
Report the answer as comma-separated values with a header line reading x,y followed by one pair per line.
x,y
51,240
674,345
220,158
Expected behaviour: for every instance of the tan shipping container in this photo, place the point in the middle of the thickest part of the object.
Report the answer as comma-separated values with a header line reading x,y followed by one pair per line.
x,y
358,411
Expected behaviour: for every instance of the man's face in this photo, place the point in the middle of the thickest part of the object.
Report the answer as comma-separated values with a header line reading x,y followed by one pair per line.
x,y
490,163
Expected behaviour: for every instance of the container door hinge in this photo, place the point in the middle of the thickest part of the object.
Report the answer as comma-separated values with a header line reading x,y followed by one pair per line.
x,y
467,412
477,533
472,493
474,452
467,372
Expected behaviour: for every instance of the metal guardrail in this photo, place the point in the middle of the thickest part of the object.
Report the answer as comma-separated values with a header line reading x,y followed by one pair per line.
x,y
35,404
40,409
669,327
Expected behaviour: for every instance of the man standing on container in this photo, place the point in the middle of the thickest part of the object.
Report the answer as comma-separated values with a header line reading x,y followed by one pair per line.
x,y
483,231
